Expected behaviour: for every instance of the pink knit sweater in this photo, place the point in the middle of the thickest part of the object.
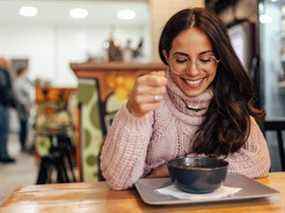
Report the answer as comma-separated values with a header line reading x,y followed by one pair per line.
x,y
134,146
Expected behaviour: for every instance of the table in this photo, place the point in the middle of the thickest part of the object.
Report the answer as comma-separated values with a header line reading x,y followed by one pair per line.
x,y
97,197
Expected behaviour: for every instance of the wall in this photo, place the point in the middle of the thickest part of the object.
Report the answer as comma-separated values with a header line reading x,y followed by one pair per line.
x,y
160,12
50,49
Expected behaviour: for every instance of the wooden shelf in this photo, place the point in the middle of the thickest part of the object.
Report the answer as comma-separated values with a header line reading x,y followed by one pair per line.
x,y
87,70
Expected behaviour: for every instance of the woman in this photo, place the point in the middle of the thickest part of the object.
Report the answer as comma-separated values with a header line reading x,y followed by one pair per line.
x,y
23,91
203,104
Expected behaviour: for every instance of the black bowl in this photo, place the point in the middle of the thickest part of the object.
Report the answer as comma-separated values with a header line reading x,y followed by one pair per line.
x,y
197,174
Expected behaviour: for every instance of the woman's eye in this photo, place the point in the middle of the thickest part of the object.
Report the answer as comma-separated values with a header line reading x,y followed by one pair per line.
x,y
181,60
205,60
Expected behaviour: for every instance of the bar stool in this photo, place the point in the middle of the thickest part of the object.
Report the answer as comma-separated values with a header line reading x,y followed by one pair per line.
x,y
278,125
59,160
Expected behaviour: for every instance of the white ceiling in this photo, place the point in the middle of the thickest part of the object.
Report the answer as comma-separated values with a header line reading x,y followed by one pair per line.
x,y
56,12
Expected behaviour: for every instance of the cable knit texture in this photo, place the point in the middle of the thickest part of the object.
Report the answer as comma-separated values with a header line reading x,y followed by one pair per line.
x,y
134,146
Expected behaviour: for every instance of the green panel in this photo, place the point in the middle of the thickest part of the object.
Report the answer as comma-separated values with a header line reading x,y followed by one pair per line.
x,y
87,136
91,160
91,127
86,92
95,174
94,116
92,133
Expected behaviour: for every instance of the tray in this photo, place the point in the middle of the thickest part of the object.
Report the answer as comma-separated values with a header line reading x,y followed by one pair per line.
x,y
250,189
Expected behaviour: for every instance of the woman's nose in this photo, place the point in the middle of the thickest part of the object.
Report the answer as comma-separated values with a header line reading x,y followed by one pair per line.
x,y
192,69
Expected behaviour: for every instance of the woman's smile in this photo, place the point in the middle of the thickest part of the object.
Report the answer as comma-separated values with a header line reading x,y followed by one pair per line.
x,y
193,83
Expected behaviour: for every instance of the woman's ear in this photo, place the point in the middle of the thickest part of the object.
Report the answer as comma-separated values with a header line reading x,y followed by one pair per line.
x,y
165,54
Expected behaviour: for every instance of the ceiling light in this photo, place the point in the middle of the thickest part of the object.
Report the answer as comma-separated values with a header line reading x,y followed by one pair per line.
x,y
274,0
28,11
126,14
78,13
265,19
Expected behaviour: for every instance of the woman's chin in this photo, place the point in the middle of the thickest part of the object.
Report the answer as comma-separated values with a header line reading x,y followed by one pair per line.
x,y
193,91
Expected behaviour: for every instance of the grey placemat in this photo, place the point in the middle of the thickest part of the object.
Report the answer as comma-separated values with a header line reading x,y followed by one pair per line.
x,y
250,189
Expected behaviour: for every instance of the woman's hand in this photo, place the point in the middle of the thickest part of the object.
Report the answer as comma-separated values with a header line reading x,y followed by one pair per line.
x,y
159,172
147,93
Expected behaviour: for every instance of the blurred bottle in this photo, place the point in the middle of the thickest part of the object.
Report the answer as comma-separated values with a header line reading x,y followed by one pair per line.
x,y
128,51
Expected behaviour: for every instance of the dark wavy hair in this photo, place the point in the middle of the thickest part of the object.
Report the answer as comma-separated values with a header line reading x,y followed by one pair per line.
x,y
227,122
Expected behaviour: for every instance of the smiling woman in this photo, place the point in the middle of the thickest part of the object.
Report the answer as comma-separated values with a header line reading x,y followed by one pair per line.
x,y
202,105
192,76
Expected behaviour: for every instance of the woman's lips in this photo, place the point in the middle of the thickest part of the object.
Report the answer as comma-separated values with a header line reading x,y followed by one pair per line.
x,y
194,83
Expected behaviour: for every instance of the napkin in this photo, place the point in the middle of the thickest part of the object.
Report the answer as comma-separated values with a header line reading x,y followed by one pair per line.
x,y
221,192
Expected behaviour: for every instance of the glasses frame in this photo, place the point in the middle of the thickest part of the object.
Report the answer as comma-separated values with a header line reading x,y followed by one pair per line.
x,y
189,62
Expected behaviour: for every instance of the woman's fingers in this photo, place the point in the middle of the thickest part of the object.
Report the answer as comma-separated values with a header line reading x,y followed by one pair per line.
x,y
140,99
150,90
152,84
147,93
155,80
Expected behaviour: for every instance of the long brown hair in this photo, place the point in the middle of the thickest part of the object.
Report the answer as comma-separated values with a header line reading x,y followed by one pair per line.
x,y
227,122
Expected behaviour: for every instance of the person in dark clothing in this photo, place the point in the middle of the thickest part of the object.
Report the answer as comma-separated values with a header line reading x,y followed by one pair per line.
x,y
7,100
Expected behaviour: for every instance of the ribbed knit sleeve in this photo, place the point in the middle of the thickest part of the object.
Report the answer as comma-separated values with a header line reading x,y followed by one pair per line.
x,y
125,147
252,160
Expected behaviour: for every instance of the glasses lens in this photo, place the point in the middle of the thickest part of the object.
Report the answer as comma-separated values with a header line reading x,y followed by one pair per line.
x,y
205,63
180,64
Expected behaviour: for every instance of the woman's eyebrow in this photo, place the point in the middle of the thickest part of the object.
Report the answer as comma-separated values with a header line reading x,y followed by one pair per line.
x,y
201,53
181,53
207,51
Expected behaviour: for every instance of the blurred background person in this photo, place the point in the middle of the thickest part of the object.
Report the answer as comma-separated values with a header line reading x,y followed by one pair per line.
x,y
23,91
7,100
138,51
128,51
114,50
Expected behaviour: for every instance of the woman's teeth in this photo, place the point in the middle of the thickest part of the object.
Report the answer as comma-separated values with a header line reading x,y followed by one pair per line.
x,y
194,83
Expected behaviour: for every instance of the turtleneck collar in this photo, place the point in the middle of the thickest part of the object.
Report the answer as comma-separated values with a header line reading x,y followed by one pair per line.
x,y
180,101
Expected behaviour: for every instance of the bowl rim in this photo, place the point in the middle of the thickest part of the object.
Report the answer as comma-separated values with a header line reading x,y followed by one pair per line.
x,y
198,168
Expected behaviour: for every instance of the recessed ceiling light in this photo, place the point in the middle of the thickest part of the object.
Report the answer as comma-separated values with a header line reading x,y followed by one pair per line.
x,y
274,0
78,13
28,11
126,14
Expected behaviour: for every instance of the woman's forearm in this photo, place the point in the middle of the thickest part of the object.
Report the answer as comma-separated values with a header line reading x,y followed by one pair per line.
x,y
124,150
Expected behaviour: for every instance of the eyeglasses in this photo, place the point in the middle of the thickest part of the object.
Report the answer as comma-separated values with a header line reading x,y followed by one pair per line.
x,y
180,63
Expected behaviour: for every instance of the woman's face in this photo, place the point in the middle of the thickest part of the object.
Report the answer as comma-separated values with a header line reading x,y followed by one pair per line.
x,y
192,62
